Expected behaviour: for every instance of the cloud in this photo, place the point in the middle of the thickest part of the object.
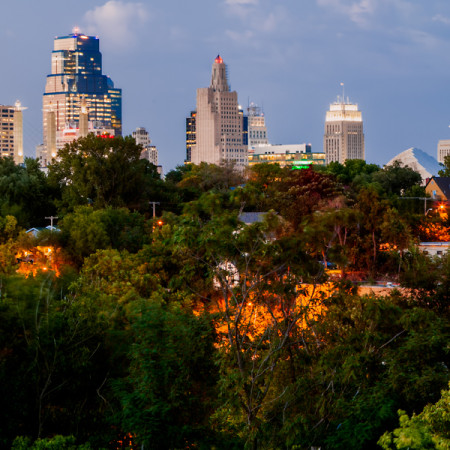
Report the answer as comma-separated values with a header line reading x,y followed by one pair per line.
x,y
241,2
442,19
241,8
117,23
357,11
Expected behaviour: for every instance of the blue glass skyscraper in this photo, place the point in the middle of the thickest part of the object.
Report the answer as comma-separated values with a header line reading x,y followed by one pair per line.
x,y
76,77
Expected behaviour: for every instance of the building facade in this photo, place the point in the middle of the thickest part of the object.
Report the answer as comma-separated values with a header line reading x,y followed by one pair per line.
x,y
219,126
344,136
296,156
257,130
443,150
76,80
149,152
190,134
11,132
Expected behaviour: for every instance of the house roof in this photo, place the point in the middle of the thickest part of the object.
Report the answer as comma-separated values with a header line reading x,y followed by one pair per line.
x,y
443,184
251,217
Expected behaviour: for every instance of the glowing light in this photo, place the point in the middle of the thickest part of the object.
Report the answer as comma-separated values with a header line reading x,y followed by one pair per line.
x,y
219,60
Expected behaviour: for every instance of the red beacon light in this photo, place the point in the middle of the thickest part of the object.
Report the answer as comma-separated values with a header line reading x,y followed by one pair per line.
x,y
219,60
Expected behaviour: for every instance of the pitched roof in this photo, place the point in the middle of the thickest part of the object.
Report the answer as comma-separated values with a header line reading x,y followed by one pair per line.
x,y
443,184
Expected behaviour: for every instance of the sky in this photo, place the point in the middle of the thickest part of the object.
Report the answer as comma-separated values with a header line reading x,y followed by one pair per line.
x,y
288,56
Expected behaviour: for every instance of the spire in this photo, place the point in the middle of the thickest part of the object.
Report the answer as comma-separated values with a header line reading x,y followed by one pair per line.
x,y
219,81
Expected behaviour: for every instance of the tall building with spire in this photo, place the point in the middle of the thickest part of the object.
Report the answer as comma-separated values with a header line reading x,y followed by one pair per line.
x,y
219,126
76,83
344,136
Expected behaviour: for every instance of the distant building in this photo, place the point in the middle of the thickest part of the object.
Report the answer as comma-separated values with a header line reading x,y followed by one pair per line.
x,y
219,124
257,131
11,131
149,152
434,248
76,78
57,139
190,134
419,161
344,135
297,156
443,150
438,188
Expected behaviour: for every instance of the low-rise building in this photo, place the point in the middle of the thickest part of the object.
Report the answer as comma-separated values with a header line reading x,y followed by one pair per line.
x,y
297,156
438,188
434,248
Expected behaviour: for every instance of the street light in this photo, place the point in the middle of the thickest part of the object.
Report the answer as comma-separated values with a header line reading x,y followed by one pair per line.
x,y
428,210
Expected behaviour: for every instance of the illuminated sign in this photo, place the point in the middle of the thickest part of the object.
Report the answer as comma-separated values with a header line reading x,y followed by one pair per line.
x,y
300,167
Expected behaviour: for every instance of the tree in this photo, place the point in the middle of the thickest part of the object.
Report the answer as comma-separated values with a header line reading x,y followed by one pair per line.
x,y
54,363
303,192
250,281
445,172
25,192
205,177
397,179
103,172
169,393
355,172
427,430
86,230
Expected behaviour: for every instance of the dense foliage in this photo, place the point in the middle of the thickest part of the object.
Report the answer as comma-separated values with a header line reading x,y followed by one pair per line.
x,y
198,330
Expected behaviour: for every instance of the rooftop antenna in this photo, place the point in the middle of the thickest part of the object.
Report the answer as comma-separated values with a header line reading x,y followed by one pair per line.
x,y
343,92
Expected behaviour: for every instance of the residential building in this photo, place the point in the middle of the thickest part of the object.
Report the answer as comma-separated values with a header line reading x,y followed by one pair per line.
x,y
438,188
76,82
219,123
11,131
296,156
434,248
344,136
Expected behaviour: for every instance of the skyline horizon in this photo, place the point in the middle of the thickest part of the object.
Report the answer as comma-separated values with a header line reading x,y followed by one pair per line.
x,y
289,59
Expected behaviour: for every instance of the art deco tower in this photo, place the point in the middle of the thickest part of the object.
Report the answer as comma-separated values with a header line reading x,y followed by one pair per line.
x,y
218,122
344,136
76,78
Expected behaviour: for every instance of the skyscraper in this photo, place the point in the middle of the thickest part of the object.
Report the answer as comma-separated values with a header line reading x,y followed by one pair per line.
x,y
76,78
344,136
257,130
11,132
219,122
149,152
190,134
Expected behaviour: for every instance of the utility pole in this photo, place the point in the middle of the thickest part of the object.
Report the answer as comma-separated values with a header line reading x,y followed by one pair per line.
x,y
51,221
154,206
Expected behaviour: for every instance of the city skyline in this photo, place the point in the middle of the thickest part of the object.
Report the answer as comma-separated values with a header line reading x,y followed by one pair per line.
x,y
288,58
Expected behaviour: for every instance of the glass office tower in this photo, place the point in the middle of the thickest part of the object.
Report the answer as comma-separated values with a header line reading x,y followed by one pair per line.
x,y
76,75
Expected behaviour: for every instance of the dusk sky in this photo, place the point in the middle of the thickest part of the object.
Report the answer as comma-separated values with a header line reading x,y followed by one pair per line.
x,y
288,56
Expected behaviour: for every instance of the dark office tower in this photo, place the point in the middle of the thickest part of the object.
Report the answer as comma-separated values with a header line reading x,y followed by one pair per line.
x,y
76,77
190,134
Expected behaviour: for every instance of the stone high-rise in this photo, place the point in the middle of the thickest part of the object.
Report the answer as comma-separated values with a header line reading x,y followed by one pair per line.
x,y
219,124
344,136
